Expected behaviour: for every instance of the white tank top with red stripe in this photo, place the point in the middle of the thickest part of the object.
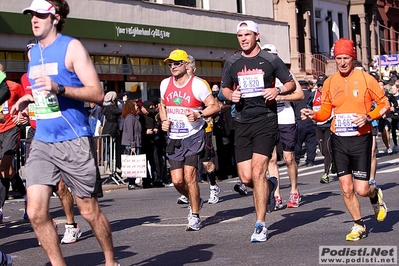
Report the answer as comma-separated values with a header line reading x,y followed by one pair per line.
x,y
180,99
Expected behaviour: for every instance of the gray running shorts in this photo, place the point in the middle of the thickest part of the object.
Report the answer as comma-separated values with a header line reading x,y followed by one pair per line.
x,y
187,148
74,160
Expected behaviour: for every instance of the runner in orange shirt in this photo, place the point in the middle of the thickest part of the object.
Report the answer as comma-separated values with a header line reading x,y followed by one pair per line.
x,y
350,93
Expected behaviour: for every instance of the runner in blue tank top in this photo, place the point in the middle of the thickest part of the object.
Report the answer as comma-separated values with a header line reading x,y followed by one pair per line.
x,y
63,77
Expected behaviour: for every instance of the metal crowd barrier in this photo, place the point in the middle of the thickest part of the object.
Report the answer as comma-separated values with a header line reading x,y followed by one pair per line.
x,y
106,159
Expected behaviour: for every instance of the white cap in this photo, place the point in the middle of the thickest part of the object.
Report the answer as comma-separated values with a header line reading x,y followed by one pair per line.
x,y
250,25
41,7
271,48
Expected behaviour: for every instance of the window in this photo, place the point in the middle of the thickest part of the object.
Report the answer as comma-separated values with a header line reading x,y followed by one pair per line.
x,y
340,25
317,14
239,6
330,30
186,3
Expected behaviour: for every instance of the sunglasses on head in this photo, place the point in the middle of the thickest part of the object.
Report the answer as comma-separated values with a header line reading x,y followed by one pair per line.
x,y
39,15
176,63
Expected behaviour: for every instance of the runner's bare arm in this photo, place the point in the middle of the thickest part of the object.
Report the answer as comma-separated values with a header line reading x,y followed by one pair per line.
x,y
296,95
78,60
212,107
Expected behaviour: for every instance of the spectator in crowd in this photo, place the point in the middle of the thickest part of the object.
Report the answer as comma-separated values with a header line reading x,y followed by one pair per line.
x,y
385,73
111,114
95,118
391,83
131,135
306,130
393,74
150,130
395,116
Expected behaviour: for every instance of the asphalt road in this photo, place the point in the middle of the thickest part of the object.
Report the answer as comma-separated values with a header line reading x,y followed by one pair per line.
x,y
149,227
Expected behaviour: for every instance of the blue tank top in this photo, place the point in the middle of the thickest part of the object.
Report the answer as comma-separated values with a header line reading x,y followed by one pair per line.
x,y
69,120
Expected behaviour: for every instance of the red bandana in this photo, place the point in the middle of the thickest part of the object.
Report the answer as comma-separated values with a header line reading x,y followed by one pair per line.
x,y
344,46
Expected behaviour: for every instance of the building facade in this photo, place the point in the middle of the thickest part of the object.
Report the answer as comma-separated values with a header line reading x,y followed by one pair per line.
x,y
128,40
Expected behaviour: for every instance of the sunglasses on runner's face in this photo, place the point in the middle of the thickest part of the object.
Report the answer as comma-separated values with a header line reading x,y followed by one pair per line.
x,y
176,63
40,16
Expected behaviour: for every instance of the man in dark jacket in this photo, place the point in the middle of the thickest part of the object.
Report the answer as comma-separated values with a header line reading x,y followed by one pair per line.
x,y
306,129
150,144
111,113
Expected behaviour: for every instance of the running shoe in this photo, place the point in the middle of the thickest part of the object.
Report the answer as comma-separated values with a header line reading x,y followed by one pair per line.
x,y
372,182
241,189
279,203
182,200
1,217
260,233
5,259
389,150
380,209
214,194
295,199
25,215
358,232
71,234
271,202
194,223
325,179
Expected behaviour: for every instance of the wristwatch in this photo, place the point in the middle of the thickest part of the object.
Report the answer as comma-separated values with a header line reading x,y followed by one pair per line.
x,y
201,115
61,90
279,90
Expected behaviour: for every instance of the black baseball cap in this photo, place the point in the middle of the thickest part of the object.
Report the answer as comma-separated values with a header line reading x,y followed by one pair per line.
x,y
303,82
321,79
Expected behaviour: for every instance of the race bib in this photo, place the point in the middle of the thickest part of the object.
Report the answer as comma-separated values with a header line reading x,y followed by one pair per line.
x,y
344,126
180,123
251,85
31,111
46,105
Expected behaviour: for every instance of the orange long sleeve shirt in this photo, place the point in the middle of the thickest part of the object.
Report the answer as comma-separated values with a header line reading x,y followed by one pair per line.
x,y
351,95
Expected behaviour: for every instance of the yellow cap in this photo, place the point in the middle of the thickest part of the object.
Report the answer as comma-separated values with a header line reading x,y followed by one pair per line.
x,y
177,55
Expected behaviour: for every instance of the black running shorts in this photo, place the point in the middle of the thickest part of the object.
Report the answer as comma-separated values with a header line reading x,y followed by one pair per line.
x,y
352,155
260,137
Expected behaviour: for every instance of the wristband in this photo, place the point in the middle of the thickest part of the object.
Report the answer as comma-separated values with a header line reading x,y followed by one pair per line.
x,y
2,76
